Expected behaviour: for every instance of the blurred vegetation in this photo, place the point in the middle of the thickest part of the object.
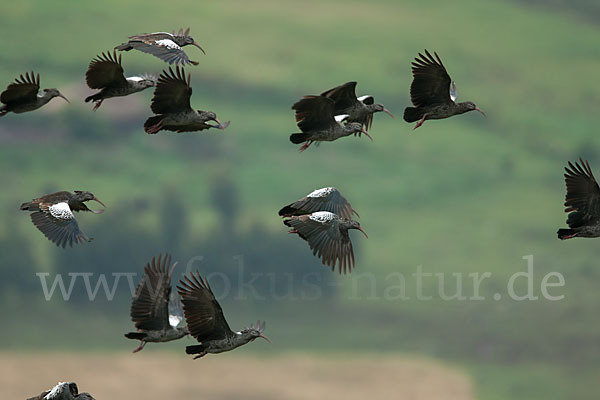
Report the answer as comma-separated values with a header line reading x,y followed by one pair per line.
x,y
466,194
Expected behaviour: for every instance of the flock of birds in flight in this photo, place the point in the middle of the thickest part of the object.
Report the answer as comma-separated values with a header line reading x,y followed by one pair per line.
x,y
322,218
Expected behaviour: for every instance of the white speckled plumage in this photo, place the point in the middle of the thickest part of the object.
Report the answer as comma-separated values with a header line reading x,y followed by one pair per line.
x,y
168,43
57,390
61,211
323,216
321,192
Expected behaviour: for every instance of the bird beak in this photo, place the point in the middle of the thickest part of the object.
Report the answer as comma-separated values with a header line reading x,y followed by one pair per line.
x,y
98,211
367,133
222,126
264,337
61,95
364,233
480,110
198,46
385,110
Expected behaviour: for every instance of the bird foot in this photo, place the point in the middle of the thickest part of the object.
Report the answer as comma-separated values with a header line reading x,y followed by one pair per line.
x,y
565,237
97,105
305,146
139,348
419,123
154,128
200,355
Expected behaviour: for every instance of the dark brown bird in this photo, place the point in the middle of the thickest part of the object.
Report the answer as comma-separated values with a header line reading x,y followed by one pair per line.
x,y
206,321
433,93
171,102
166,46
350,108
324,199
63,391
24,95
53,215
316,119
106,74
150,312
327,235
582,202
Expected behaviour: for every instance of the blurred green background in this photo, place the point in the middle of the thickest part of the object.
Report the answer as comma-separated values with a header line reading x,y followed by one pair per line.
x,y
466,194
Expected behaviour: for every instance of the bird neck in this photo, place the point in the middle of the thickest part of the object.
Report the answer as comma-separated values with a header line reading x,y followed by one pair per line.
x,y
463,107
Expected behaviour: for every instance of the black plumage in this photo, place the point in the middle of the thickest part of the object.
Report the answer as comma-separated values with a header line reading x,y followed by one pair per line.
x,y
24,95
324,199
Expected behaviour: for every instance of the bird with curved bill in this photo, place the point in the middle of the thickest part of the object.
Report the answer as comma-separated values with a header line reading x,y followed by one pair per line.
x,y
53,215
433,93
154,311
171,102
63,391
164,45
317,120
324,199
105,73
24,95
206,322
353,108
582,201
327,235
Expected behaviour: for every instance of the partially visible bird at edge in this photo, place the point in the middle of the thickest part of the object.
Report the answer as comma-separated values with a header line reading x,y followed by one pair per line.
x,y
24,95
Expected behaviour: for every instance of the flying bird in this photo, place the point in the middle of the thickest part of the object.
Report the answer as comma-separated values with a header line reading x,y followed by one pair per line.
x,y
63,391
24,95
105,73
316,119
327,236
206,322
433,93
353,108
150,312
171,102
582,201
324,199
164,45
53,215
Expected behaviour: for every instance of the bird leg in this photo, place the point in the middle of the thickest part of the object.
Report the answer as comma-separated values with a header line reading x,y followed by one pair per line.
x,y
420,122
97,104
140,347
305,145
154,128
200,355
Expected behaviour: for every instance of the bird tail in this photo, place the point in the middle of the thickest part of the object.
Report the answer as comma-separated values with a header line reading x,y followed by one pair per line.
x,y
287,211
124,47
135,335
412,114
153,124
194,349
564,234
94,97
29,206
298,138
3,111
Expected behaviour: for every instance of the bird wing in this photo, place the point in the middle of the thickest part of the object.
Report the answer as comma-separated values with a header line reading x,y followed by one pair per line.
x,y
23,90
344,96
150,304
203,314
583,194
324,199
322,232
314,113
431,83
105,71
172,93
162,47
57,222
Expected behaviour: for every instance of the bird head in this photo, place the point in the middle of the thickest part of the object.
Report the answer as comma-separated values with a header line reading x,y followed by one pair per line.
x,y
356,127
84,396
470,106
82,196
211,116
55,93
356,225
381,107
254,332
184,39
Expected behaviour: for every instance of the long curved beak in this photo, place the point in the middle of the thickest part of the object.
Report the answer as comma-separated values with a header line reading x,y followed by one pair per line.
x,y
385,110
364,233
222,126
367,133
61,95
198,46
98,211
264,337
480,110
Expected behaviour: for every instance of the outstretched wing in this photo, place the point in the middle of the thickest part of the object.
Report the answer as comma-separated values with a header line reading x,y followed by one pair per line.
x,y
583,194
431,83
203,314
23,90
314,113
161,45
58,224
172,93
322,232
105,71
324,199
344,96
150,304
